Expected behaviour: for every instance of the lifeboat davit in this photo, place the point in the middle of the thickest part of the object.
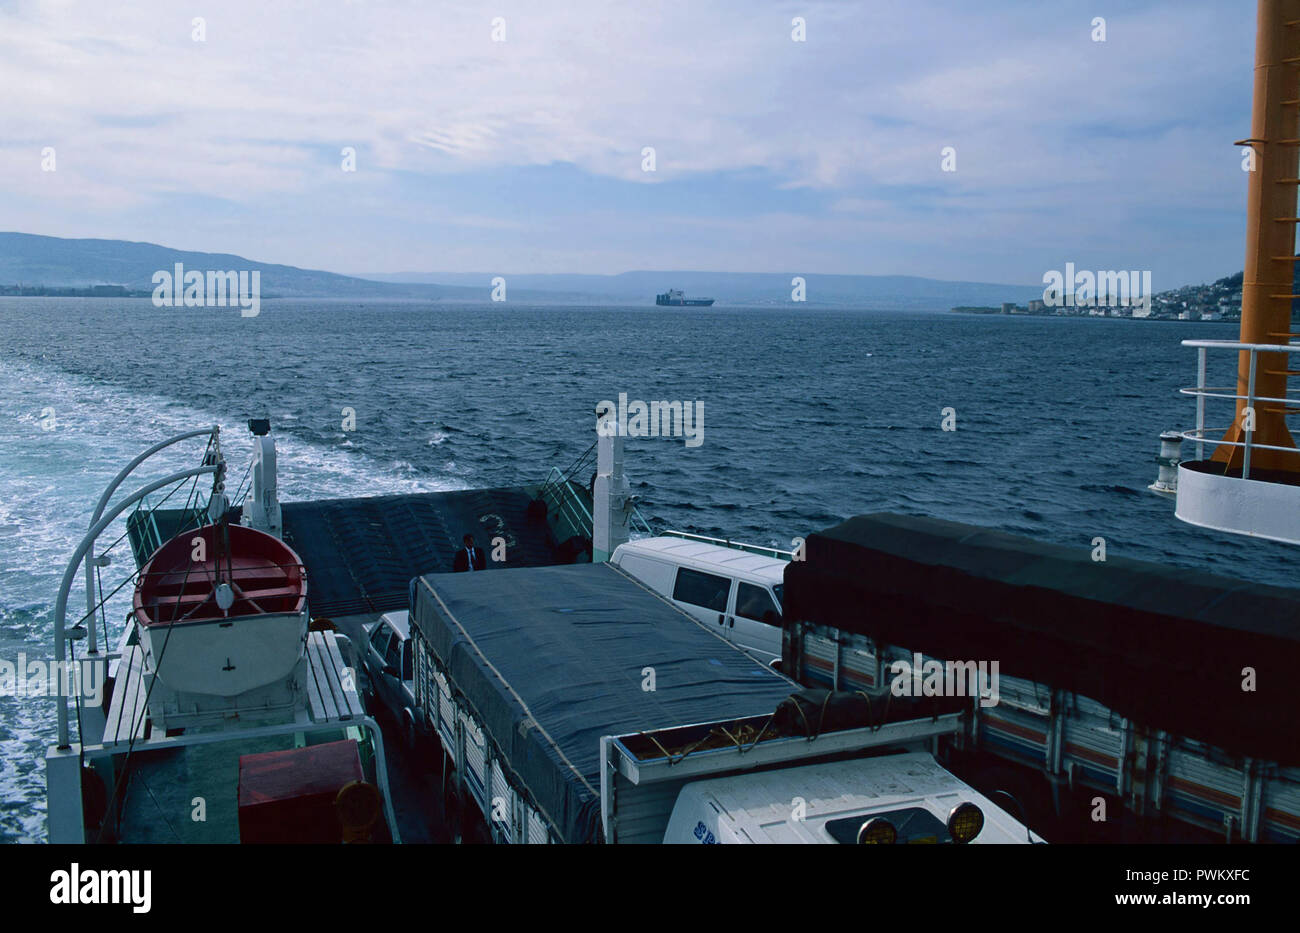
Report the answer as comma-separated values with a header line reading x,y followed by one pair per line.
x,y
222,610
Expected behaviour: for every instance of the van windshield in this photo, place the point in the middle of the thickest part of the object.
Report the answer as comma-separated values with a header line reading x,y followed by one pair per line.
x,y
754,602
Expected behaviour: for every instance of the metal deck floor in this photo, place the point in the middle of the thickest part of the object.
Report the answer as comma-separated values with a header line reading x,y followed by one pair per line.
x,y
361,554
159,804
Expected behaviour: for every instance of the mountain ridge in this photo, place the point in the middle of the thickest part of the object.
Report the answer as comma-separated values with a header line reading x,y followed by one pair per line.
x,y
747,288
33,259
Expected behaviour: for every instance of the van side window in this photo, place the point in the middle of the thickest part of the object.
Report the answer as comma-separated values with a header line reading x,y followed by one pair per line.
x,y
702,589
379,638
753,602
408,661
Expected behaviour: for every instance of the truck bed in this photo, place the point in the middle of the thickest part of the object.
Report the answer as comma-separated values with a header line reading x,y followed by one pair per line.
x,y
1153,643
551,659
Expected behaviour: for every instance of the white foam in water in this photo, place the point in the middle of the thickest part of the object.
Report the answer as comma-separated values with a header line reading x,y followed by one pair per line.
x,y
50,481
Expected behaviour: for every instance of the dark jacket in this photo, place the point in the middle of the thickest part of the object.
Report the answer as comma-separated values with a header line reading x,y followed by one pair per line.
x,y
461,563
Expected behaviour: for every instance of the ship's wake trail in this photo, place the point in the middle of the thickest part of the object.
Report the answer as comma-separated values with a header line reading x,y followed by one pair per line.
x,y
63,437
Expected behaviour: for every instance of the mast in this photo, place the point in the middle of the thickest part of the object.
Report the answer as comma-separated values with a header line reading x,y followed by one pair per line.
x,y
1267,284
1251,483
611,499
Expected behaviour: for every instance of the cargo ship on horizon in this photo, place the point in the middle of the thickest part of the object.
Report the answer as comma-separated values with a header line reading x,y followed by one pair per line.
x,y
675,298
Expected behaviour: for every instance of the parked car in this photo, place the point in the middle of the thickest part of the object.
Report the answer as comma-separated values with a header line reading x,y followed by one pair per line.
x,y
389,668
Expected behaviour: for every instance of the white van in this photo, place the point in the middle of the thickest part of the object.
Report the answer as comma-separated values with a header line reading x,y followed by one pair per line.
x,y
737,591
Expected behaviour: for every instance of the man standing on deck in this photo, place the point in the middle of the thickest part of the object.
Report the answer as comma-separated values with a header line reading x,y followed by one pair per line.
x,y
469,558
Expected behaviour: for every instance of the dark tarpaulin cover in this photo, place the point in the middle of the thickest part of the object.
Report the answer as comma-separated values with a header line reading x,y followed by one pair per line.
x,y
551,659
1163,646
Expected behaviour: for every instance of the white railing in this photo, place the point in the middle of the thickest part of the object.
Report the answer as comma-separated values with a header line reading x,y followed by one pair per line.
x,y
1201,392
760,549
564,500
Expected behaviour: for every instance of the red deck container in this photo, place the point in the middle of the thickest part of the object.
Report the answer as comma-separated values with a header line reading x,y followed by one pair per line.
x,y
288,796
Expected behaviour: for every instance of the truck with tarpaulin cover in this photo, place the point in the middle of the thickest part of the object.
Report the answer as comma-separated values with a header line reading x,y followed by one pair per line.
x,y
1163,703
573,704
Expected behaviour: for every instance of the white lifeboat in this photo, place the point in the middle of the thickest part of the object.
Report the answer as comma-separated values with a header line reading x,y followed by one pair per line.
x,y
222,610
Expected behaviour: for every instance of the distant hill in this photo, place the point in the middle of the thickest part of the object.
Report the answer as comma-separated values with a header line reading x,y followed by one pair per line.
x,y
54,261
902,292
30,260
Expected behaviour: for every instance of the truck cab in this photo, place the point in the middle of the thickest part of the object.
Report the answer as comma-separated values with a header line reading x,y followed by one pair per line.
x,y
889,799
736,592
390,670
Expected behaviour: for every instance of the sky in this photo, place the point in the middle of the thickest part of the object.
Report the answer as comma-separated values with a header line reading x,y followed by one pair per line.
x,y
510,137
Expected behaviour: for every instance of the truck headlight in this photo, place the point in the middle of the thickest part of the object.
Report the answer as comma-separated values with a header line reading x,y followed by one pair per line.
x,y
877,831
965,822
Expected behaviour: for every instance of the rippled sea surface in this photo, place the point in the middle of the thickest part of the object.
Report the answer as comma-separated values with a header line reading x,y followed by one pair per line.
x,y
810,416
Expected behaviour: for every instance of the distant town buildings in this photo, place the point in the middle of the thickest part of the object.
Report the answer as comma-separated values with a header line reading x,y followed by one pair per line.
x,y
1218,301
69,291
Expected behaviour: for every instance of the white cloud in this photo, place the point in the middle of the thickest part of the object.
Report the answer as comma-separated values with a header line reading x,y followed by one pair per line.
x,y
140,113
